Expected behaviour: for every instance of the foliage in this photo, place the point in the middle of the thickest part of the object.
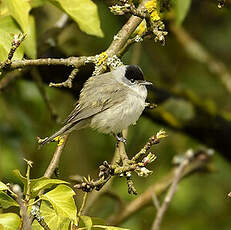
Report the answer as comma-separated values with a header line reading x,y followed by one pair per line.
x,y
9,221
58,207
83,12
188,88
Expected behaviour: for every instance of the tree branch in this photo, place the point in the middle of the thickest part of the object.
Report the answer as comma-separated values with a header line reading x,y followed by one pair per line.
x,y
172,189
106,170
17,40
26,223
56,158
200,161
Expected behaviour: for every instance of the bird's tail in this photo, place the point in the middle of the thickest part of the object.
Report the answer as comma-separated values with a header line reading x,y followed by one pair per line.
x,y
61,132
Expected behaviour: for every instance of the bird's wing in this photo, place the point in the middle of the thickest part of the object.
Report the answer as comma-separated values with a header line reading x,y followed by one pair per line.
x,y
96,96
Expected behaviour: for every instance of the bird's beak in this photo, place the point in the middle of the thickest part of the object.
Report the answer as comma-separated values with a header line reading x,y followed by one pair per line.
x,y
145,82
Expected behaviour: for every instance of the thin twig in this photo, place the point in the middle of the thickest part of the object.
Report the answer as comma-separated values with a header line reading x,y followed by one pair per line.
x,y
151,141
123,167
35,213
114,48
17,40
172,189
26,223
155,201
83,204
94,195
29,166
158,188
68,82
56,158
70,61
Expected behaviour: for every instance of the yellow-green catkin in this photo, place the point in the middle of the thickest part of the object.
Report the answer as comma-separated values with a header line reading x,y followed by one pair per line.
x,y
102,57
151,7
59,139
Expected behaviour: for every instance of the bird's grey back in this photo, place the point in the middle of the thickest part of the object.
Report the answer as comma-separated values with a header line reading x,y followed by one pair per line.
x,y
98,94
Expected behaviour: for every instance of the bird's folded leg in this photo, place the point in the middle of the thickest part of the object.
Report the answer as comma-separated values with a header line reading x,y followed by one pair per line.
x,y
120,138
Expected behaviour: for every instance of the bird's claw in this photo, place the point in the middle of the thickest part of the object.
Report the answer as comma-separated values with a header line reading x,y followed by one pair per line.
x,y
121,139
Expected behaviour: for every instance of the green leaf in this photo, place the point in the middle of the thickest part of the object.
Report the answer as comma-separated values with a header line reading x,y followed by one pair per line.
x,y
30,44
19,10
5,45
181,10
51,217
6,201
109,227
37,184
3,186
9,25
62,200
10,221
86,222
92,223
37,3
18,174
85,13
3,9
44,183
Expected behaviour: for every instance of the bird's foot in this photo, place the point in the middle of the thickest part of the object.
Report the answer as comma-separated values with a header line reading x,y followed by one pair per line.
x,y
121,139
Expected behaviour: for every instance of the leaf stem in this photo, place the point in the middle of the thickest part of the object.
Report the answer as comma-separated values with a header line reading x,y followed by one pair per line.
x,y
82,206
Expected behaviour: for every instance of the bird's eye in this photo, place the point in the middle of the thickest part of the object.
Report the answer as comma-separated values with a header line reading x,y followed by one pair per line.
x,y
132,80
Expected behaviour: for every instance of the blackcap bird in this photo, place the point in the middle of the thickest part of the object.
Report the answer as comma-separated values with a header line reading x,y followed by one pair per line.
x,y
109,103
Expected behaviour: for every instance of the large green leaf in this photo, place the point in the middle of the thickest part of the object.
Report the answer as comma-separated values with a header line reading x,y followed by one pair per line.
x,y
9,25
44,183
51,217
3,9
7,28
30,44
3,186
37,184
19,10
18,174
100,227
86,222
62,200
5,45
85,13
109,227
181,10
6,201
92,223
37,3
10,221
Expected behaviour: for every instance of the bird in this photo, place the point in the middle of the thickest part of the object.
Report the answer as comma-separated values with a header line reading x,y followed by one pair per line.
x,y
109,103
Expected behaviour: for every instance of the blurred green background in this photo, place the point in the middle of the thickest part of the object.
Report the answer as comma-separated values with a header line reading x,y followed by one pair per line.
x,y
201,200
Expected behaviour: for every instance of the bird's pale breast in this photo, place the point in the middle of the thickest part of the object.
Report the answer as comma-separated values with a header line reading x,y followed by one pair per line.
x,y
119,116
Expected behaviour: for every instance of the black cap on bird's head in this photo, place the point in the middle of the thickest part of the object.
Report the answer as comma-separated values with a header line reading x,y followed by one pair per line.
x,y
135,74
